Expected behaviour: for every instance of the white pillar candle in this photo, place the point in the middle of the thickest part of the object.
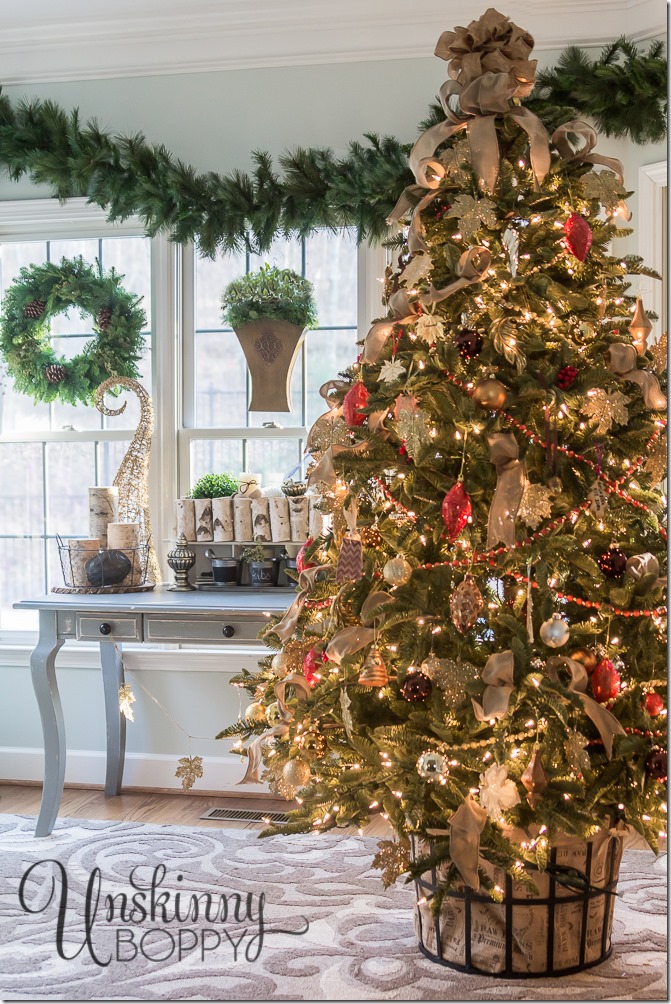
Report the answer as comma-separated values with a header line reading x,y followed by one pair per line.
x,y
261,520
280,526
203,511
299,517
242,518
78,553
185,519
222,518
126,537
103,509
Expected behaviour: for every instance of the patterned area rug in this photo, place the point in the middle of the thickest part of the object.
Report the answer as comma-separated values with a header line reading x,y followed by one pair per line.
x,y
359,945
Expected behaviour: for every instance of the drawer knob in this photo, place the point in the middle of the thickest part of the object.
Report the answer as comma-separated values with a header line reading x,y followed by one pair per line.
x,y
106,629
228,631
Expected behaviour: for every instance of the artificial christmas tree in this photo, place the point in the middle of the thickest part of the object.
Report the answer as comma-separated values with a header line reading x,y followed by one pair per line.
x,y
498,448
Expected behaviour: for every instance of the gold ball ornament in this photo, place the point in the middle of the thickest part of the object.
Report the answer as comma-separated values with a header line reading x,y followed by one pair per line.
x,y
397,571
586,657
255,712
311,744
273,713
280,664
296,773
490,393
555,632
371,536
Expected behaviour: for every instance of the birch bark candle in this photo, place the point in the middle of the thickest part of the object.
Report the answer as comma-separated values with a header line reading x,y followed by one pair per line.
x,y
203,512
242,518
280,526
261,520
185,519
316,519
79,552
222,519
103,509
126,537
299,517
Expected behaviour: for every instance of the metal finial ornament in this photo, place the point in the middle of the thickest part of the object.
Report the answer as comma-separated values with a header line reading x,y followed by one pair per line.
x,y
132,478
640,327
181,559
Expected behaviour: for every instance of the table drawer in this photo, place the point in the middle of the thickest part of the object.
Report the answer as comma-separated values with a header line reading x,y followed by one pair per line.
x,y
193,629
121,628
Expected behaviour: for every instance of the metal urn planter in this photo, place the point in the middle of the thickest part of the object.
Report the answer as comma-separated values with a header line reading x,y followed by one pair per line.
x,y
270,347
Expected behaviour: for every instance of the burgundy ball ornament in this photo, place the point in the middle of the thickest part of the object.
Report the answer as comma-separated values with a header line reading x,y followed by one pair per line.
x,y
416,687
355,399
656,765
578,236
456,511
613,563
469,343
606,682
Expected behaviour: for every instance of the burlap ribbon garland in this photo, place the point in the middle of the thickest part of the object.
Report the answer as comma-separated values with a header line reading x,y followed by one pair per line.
x,y
285,628
511,479
466,825
352,639
498,675
300,684
576,127
606,723
324,470
621,360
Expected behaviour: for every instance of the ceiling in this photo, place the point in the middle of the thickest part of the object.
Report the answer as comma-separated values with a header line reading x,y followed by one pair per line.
x,y
90,39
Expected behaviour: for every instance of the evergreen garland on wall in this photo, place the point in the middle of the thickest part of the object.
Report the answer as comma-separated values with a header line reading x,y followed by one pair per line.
x,y
129,177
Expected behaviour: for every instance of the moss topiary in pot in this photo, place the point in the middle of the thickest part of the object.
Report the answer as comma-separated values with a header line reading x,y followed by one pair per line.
x,y
269,311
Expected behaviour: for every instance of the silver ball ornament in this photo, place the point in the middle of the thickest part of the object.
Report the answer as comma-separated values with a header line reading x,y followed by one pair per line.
x,y
555,632
431,765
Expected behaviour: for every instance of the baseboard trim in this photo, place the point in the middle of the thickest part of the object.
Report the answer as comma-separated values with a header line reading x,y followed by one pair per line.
x,y
142,772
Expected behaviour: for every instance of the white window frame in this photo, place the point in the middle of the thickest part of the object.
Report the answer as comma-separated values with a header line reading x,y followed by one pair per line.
x,y
652,180
171,323
47,219
371,263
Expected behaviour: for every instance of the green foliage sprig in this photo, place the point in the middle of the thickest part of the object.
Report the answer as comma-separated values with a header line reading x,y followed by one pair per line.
x,y
214,486
128,176
279,293
41,292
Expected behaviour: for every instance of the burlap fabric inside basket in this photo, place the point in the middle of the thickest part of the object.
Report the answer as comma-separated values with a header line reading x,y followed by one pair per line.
x,y
533,951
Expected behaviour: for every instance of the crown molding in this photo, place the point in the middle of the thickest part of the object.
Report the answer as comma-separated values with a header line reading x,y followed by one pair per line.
x,y
176,37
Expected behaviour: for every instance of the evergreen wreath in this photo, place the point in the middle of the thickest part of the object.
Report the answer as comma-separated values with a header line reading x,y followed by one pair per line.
x,y
39,293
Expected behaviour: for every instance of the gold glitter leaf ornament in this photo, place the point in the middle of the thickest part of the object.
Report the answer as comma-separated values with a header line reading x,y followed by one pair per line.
x,y
472,214
606,408
190,768
535,505
604,186
392,859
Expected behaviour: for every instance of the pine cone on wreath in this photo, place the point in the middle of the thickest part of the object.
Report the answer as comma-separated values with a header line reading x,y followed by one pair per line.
x,y
34,309
104,318
55,373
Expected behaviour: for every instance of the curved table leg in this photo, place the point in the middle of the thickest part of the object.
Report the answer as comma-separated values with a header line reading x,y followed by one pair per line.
x,y
43,672
111,661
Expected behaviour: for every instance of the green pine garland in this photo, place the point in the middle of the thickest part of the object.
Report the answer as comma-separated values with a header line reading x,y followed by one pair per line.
x,y
39,293
128,176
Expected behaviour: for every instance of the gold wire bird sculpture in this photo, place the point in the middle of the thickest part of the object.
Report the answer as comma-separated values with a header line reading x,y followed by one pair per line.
x,y
132,478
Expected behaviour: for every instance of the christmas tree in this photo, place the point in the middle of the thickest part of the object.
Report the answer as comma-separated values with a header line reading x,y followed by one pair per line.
x,y
477,645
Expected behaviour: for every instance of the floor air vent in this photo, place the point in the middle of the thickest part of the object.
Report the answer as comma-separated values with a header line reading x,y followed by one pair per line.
x,y
245,816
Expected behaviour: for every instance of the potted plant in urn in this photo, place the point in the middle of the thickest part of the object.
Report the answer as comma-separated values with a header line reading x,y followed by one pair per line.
x,y
269,311
261,568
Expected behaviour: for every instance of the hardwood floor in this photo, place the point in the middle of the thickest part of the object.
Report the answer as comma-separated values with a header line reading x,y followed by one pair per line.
x,y
149,807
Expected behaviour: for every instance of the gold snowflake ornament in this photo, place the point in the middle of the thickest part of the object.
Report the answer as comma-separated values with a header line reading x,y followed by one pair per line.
x,y
190,768
126,698
535,505
606,408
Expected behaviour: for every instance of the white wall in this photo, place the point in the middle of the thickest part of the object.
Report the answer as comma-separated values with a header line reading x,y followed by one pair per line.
x,y
213,120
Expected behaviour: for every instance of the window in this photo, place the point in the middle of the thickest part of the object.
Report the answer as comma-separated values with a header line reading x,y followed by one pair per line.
x,y
193,366
219,432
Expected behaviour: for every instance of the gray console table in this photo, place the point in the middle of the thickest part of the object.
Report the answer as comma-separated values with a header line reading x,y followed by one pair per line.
x,y
159,617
